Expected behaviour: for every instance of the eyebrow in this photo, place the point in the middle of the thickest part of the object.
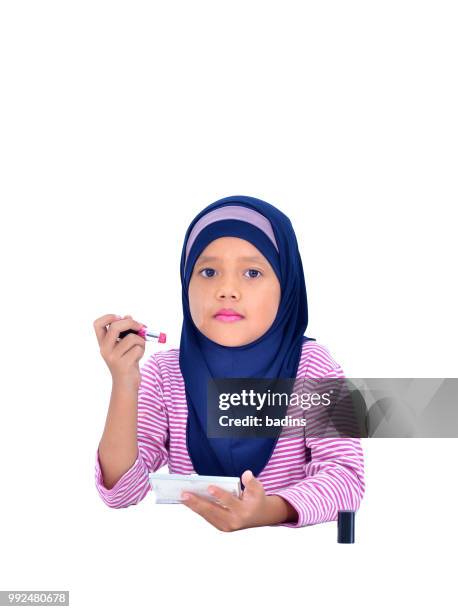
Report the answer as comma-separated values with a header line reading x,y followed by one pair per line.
x,y
203,258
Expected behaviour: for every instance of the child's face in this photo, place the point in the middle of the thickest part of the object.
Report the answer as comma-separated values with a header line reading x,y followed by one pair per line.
x,y
231,273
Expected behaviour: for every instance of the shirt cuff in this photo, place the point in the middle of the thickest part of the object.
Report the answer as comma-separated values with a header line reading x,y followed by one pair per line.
x,y
129,489
290,497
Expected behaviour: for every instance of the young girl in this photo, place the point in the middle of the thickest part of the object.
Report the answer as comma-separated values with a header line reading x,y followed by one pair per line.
x,y
244,316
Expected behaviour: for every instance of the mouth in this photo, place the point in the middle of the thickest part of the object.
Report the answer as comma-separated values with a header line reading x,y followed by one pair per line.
x,y
228,316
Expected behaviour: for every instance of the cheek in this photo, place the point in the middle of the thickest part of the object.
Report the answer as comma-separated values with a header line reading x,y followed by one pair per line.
x,y
265,305
196,304
271,312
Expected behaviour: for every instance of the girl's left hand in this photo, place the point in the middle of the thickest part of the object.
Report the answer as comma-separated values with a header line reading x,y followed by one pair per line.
x,y
254,509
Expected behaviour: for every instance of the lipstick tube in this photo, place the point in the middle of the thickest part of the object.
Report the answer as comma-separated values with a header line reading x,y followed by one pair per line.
x,y
146,333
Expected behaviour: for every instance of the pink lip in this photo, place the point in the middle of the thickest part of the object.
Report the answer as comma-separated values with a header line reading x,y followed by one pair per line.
x,y
225,318
228,315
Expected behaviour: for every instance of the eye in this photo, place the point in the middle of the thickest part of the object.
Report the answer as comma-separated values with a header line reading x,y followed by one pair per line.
x,y
205,270
255,271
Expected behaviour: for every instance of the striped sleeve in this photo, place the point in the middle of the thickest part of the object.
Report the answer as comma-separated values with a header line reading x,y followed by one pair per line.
x,y
152,439
334,481
334,477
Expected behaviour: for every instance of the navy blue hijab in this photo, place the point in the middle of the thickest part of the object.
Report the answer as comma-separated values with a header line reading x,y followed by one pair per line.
x,y
276,354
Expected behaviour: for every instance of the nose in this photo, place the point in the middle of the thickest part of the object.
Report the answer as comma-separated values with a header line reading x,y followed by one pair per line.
x,y
232,294
228,290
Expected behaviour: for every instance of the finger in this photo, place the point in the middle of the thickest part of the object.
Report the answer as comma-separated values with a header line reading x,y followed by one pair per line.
x,y
247,476
100,326
252,484
110,340
129,344
209,510
225,497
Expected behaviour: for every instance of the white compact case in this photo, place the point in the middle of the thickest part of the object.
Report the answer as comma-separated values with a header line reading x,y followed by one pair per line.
x,y
167,488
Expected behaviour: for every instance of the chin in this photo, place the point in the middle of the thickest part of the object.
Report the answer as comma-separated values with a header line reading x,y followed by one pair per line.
x,y
226,339
231,340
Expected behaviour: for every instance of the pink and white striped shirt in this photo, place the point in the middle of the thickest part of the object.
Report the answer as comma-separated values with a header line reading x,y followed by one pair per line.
x,y
331,479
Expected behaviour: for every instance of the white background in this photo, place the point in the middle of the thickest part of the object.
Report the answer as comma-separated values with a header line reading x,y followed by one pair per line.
x,y
120,122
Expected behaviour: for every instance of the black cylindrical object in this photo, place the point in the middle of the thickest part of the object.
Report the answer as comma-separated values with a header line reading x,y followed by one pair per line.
x,y
124,333
346,527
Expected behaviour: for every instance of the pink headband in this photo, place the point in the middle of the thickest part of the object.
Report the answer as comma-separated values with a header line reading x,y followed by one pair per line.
x,y
241,213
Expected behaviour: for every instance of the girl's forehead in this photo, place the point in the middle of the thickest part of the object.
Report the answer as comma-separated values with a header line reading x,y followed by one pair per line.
x,y
231,247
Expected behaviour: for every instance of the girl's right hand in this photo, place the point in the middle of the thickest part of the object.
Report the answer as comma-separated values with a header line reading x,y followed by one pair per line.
x,y
121,356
